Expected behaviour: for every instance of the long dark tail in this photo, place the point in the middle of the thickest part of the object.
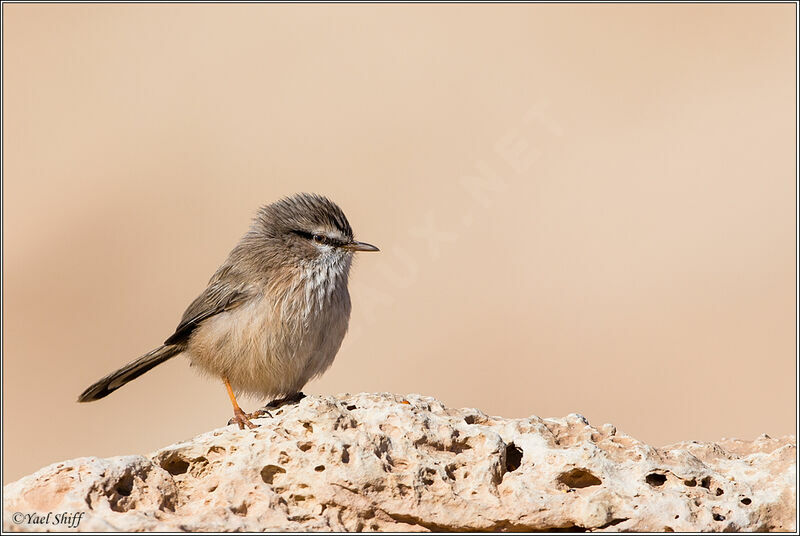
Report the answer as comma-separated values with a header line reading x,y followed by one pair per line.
x,y
131,371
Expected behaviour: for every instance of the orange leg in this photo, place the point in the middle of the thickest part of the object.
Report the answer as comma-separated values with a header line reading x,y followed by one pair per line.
x,y
239,416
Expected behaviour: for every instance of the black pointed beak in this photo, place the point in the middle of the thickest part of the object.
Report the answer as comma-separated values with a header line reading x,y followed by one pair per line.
x,y
359,246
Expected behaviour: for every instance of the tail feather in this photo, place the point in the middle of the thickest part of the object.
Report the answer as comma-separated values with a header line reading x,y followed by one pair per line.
x,y
131,371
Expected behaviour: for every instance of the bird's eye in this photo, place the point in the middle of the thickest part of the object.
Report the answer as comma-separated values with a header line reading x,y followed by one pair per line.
x,y
318,238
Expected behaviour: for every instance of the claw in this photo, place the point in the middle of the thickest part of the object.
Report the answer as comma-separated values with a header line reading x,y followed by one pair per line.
x,y
257,414
242,419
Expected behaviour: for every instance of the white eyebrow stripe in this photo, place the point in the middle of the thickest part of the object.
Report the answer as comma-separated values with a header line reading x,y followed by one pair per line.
x,y
334,235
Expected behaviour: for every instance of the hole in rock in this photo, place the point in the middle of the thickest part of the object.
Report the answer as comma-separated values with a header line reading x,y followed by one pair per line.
x,y
175,465
450,471
268,473
706,482
319,468
304,445
240,510
719,492
125,485
579,478
513,457
655,479
345,454
718,517
746,501
351,407
427,475
691,483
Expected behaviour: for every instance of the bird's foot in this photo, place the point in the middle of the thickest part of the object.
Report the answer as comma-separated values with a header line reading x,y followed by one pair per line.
x,y
279,402
275,404
257,414
242,419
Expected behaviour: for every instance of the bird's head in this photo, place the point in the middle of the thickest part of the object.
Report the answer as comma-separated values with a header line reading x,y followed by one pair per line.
x,y
309,230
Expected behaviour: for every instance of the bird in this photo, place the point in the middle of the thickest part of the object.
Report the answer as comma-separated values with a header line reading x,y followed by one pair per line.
x,y
274,314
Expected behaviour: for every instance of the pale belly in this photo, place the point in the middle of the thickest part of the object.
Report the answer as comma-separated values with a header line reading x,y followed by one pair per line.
x,y
265,353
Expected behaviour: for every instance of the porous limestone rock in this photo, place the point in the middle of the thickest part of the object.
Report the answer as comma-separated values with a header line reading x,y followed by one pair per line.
x,y
384,462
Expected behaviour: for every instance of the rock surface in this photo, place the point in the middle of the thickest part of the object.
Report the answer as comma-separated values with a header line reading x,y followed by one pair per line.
x,y
383,462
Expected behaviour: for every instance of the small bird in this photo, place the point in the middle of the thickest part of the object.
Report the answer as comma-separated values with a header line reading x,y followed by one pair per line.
x,y
273,315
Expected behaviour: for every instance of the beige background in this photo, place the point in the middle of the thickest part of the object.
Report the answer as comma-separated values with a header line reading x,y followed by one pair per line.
x,y
581,208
